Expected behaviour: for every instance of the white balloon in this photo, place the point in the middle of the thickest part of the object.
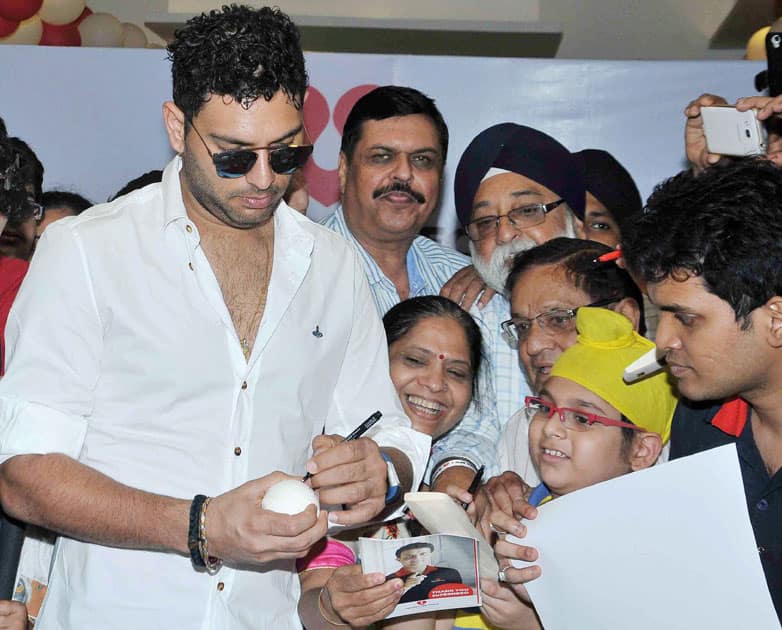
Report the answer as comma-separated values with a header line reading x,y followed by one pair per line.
x,y
61,11
133,36
100,29
289,496
29,31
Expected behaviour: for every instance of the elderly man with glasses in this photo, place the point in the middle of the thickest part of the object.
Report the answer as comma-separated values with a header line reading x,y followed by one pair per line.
x,y
515,187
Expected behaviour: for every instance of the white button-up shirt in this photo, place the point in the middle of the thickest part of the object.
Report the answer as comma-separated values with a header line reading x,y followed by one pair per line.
x,y
122,354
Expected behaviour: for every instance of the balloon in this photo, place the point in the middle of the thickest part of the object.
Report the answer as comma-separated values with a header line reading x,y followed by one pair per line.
x,y
7,27
100,29
65,35
756,46
19,10
133,36
83,15
60,12
28,32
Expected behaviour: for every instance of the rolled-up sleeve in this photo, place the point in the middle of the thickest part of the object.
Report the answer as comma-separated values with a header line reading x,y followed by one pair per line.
x,y
53,346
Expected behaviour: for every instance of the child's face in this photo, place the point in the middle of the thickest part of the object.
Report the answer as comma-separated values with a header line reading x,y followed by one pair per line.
x,y
566,459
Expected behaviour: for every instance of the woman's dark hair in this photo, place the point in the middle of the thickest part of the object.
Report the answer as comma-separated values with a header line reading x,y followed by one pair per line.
x,y
403,317
391,101
600,281
241,52
723,225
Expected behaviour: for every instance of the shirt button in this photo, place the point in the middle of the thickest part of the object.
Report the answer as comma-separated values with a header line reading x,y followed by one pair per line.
x,y
244,385
237,451
762,505
189,228
220,586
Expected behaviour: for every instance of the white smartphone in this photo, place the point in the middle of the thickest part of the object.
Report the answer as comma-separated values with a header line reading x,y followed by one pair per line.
x,y
648,363
731,132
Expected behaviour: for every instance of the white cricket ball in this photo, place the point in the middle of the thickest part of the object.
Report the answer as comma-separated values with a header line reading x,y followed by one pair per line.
x,y
289,496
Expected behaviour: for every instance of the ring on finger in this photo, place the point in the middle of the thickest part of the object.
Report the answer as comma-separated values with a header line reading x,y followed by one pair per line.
x,y
501,576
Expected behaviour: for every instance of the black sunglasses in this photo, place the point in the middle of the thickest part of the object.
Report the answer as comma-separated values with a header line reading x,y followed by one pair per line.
x,y
284,160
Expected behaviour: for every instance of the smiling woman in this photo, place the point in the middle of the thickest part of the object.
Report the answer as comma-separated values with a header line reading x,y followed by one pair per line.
x,y
434,349
434,352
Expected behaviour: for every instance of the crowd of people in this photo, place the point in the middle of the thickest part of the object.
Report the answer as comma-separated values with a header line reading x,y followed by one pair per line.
x,y
173,353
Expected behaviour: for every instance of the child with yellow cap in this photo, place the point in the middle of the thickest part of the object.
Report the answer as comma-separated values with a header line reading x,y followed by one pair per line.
x,y
587,425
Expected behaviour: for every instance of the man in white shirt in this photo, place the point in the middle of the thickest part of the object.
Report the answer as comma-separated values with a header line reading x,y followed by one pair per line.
x,y
210,335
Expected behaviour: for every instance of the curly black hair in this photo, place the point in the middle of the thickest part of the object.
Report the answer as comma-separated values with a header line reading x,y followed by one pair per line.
x,y
723,225
238,51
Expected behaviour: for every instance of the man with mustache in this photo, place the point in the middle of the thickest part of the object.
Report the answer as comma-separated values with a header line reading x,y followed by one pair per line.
x,y
515,188
391,163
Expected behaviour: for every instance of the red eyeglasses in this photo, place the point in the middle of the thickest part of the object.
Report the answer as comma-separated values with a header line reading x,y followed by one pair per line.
x,y
573,419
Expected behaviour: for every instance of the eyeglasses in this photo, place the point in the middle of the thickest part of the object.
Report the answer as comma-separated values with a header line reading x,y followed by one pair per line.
x,y
284,160
520,218
557,321
573,419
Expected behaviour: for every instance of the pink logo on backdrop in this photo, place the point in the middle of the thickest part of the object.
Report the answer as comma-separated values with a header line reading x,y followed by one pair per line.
x,y
323,184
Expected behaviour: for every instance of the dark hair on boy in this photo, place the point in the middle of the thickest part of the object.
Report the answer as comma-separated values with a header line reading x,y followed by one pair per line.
x,y
403,317
391,101
723,225
600,281
238,51
65,199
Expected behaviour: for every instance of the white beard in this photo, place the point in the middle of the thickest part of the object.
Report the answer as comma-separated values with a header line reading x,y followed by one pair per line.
x,y
495,271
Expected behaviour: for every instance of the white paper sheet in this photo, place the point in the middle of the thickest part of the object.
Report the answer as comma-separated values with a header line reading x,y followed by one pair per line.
x,y
666,548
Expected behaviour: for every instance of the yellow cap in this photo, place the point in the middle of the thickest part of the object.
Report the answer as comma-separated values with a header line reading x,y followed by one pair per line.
x,y
606,345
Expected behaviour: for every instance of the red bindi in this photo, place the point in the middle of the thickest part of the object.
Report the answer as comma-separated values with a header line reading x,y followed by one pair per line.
x,y
441,356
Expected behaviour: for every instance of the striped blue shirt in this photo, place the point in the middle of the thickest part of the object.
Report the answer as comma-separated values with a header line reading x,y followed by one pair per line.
x,y
501,385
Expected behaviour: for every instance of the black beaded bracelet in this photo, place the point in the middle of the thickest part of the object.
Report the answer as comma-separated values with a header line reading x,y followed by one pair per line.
x,y
193,531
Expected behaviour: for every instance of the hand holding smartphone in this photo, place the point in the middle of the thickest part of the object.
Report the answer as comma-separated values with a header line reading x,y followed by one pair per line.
x,y
731,132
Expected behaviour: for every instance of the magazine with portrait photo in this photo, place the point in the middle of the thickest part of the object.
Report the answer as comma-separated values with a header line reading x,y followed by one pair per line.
x,y
439,572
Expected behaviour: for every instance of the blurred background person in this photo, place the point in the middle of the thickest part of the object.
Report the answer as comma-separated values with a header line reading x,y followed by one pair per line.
x,y
611,196
58,204
18,238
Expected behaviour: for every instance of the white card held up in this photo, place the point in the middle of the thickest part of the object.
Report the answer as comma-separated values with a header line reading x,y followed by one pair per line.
x,y
440,514
667,547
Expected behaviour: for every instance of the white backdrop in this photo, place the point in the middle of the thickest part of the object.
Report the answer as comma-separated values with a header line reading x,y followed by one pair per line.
x,y
93,115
